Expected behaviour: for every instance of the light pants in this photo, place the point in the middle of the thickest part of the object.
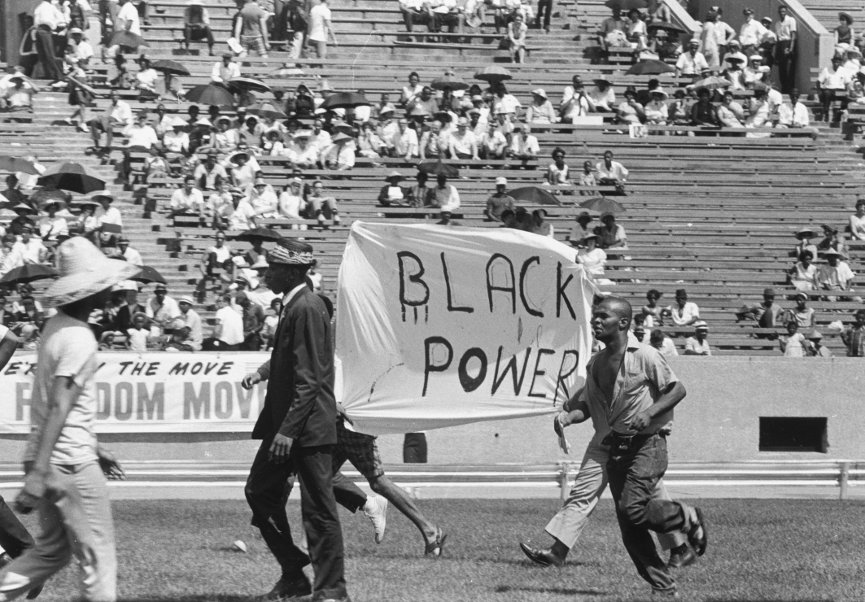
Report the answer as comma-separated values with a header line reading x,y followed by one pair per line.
x,y
588,486
74,519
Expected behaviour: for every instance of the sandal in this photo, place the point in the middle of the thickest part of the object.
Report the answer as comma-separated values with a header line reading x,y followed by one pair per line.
x,y
434,548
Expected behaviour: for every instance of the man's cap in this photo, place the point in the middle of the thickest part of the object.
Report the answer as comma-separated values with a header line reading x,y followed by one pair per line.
x,y
748,11
832,253
122,240
160,286
290,252
693,42
766,20
801,295
540,92
681,291
259,182
590,235
394,175
341,138
186,299
701,325
302,134
769,292
755,57
501,181
805,232
75,30
601,81
227,55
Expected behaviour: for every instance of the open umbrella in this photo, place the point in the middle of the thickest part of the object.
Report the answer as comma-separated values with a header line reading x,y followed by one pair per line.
x,y
127,39
27,273
534,195
211,94
627,4
493,73
712,83
345,100
650,67
248,84
148,274
436,167
169,66
258,233
13,164
603,204
267,110
71,176
668,27
448,82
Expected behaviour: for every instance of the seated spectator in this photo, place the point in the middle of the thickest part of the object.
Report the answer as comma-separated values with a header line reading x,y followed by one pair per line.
x,y
540,225
219,205
155,165
493,144
804,236
832,239
422,105
758,110
252,316
189,319
698,344
320,206
591,257
187,200
651,312
342,155
146,78
369,144
421,195
516,36
18,95
541,110
29,250
756,72
637,35
794,343
602,97
138,334
88,224
802,314
854,336
263,199
524,146
663,343
196,27
216,268
656,111
303,151
128,253
498,201
558,171
13,193
836,275
815,346
226,137
118,113
209,174
770,314
462,143
639,329
575,102
588,179
793,115
611,173
684,312
612,33
52,225
414,12
162,309
832,84
857,221
645,95
244,171
227,329
691,63
803,275
580,230
404,143
611,235
630,111
730,112
271,321
703,112
392,193
748,313
445,196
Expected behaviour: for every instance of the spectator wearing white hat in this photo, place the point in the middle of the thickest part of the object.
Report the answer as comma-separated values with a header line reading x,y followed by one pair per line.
x,y
541,110
189,318
462,143
816,347
591,257
499,201
691,63
835,275
161,309
656,111
698,344
79,48
751,33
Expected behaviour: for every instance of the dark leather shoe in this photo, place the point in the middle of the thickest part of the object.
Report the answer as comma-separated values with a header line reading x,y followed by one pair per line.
x,y
289,587
698,536
681,557
541,557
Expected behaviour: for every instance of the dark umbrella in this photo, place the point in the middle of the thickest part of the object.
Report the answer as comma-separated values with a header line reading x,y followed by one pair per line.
x,y
533,195
11,164
493,73
669,27
148,274
211,94
345,100
602,204
248,84
266,110
71,176
435,168
127,39
28,273
168,66
448,82
627,4
258,233
650,67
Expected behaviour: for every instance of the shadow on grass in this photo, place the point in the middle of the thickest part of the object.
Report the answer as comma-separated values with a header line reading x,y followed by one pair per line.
x,y
194,598
561,591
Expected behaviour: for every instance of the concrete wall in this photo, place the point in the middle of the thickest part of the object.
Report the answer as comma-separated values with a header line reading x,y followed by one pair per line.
x,y
814,48
10,32
717,422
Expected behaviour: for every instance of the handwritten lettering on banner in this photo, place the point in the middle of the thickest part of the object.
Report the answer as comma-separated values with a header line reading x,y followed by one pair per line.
x,y
153,392
446,325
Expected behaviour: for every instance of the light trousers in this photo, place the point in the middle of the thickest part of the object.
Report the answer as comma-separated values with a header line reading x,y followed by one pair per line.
x,y
74,520
589,484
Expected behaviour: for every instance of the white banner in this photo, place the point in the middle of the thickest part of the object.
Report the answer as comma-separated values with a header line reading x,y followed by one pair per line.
x,y
439,326
152,393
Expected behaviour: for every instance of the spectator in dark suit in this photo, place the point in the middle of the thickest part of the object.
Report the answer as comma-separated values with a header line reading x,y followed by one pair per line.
x,y
298,431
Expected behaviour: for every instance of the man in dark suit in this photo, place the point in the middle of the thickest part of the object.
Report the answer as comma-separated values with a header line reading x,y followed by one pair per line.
x,y
297,427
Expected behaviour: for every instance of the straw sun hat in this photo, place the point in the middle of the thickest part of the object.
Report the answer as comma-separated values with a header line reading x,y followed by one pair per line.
x,y
85,271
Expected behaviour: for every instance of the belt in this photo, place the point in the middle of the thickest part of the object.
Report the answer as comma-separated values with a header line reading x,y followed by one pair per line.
x,y
623,443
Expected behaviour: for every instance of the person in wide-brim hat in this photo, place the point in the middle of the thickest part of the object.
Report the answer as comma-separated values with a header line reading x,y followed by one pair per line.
x,y
85,271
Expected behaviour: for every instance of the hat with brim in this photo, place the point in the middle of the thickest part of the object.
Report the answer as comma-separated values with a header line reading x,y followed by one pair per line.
x,y
291,252
805,233
386,110
125,286
302,134
659,92
832,253
813,335
744,310
846,17
737,57
138,314
185,299
341,138
24,207
801,295
233,158
75,30
345,128
540,92
102,195
394,175
701,325
84,271
590,236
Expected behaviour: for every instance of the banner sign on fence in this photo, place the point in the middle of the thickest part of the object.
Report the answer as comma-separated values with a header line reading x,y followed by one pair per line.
x,y
438,326
152,392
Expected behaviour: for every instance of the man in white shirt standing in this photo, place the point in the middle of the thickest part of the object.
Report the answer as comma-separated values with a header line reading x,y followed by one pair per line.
x,y
49,23
228,330
786,31
320,28
832,83
129,21
751,33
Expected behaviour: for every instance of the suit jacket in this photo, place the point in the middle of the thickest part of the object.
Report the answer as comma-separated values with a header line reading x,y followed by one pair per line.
x,y
300,403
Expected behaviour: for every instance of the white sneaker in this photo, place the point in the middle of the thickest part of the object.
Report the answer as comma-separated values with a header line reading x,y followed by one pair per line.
x,y
375,510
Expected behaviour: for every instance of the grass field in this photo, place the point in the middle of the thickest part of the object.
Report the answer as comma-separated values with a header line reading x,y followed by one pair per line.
x,y
759,550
